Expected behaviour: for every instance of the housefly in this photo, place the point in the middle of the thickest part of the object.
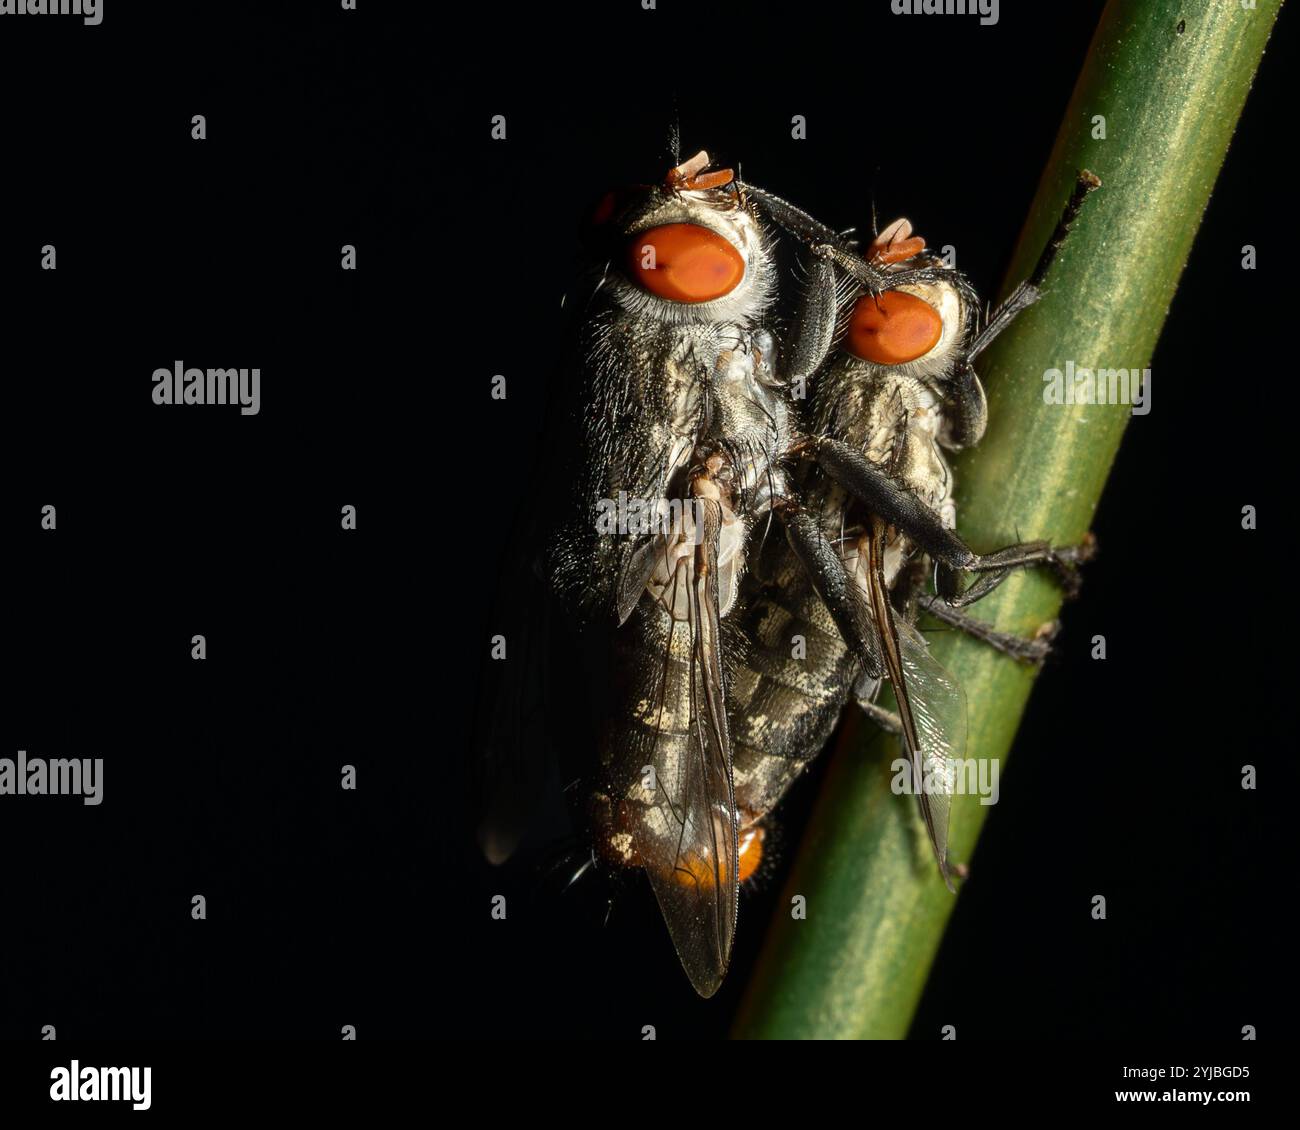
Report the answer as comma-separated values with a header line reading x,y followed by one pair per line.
x,y
896,390
677,424
685,444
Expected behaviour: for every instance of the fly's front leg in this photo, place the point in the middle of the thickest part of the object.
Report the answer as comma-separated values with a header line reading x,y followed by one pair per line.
x,y
876,281
792,218
966,409
1030,291
965,404
882,496
813,328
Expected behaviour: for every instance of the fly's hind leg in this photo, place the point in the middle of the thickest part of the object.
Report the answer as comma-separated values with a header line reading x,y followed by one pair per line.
x,y
996,567
1032,650
910,599
887,720
865,690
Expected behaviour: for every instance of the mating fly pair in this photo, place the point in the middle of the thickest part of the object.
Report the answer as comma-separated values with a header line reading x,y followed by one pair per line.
x,y
685,396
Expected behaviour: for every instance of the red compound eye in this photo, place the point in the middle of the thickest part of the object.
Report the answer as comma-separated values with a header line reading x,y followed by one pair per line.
x,y
685,263
893,328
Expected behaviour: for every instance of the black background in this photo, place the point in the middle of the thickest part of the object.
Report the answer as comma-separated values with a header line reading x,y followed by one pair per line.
x,y
370,908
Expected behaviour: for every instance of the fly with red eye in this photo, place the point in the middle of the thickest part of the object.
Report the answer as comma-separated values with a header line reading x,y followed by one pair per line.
x,y
679,400
899,389
684,397
677,407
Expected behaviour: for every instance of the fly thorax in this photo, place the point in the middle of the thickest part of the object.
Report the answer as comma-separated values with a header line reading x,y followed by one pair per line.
x,y
921,465
684,408
895,419
752,422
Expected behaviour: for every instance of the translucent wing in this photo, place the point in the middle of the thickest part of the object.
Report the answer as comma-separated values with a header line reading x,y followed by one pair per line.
x,y
682,824
939,711
931,707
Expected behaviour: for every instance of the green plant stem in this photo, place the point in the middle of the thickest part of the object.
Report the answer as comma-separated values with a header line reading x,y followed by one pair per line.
x,y
876,907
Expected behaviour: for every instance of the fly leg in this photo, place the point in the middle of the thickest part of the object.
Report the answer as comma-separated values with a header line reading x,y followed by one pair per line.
x,y
792,218
996,567
899,507
909,599
1029,292
966,408
965,404
837,590
887,720
813,327
1033,650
